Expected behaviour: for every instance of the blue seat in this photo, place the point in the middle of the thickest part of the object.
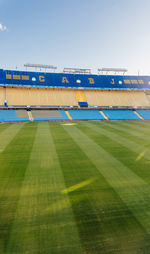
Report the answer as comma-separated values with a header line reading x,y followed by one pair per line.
x,y
11,116
63,116
86,115
145,114
121,115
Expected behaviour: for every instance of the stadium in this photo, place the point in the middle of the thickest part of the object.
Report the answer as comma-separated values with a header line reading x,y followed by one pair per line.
x,y
75,94
74,127
74,156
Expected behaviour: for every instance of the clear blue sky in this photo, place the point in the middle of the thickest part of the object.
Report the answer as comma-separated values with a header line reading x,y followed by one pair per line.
x,y
76,33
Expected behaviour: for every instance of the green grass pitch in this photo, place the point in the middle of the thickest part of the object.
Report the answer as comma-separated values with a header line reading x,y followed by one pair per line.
x,y
75,189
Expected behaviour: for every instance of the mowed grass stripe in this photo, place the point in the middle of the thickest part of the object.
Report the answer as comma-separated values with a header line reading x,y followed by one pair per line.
x,y
104,222
72,161
139,136
118,137
135,135
138,123
137,163
44,222
142,124
3,127
13,163
134,192
135,126
8,133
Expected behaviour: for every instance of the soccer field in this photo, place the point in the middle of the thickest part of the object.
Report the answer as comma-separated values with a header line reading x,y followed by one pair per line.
x,y
75,188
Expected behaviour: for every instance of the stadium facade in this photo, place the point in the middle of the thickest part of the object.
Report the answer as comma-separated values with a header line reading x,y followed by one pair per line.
x,y
37,96
66,80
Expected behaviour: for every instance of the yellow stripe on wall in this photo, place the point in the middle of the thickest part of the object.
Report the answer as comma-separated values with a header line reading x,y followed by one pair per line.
x,y
104,115
69,116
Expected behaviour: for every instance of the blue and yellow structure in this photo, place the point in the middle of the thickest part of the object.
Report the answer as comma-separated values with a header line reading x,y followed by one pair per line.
x,y
81,81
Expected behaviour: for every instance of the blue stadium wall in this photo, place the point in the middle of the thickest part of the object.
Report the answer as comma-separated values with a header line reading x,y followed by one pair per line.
x,y
61,80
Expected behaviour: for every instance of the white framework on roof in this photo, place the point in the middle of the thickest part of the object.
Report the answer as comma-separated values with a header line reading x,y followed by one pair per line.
x,y
40,66
115,70
77,71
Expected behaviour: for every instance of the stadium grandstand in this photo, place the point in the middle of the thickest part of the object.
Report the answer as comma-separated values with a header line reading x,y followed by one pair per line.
x,y
74,94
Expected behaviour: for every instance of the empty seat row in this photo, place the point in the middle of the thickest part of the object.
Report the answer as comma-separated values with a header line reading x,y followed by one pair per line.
x,y
86,115
23,96
47,115
145,114
62,115
121,115
13,116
